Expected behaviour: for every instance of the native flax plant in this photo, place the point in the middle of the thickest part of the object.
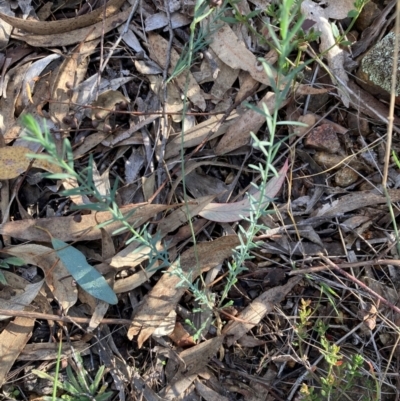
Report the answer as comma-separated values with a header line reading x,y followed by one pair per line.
x,y
281,81
87,188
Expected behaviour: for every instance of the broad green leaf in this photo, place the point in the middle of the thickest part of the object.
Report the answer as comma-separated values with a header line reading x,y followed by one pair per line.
x,y
13,260
83,273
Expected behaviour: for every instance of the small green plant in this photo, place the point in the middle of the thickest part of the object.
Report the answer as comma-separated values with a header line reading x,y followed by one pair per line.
x,y
200,35
281,81
79,386
86,187
340,377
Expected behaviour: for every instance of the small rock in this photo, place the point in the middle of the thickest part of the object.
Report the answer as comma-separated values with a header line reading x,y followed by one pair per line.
x,y
369,12
308,119
345,177
358,123
323,138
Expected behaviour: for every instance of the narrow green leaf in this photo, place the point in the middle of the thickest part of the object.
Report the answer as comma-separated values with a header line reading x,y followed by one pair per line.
x,y
83,273
96,382
3,279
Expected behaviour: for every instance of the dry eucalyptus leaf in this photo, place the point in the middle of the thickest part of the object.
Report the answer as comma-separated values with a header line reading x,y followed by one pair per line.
x,y
33,72
12,341
238,134
160,20
106,102
50,351
57,276
68,228
77,36
355,201
21,299
253,313
64,25
165,294
328,46
339,9
158,52
69,74
14,162
234,53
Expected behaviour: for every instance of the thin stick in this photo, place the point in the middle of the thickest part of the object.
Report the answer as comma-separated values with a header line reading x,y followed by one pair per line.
x,y
66,319
391,124
360,283
315,269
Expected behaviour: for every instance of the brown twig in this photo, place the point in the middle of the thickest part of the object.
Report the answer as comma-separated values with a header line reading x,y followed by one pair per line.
x,y
359,283
66,319
315,269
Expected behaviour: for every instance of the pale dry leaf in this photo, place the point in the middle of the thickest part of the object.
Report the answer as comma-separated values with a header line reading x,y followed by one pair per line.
x,y
230,212
166,327
69,74
90,143
132,41
339,9
238,134
128,257
328,46
105,102
33,72
165,294
255,312
50,351
181,337
148,67
133,165
148,185
132,259
112,84
158,52
200,184
101,182
198,133
63,25
142,387
98,312
26,7
10,90
5,28
223,81
160,20
196,358
21,299
182,386
192,362
356,201
234,53
57,277
86,34
12,341
14,161
209,394
68,228
180,216
107,245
